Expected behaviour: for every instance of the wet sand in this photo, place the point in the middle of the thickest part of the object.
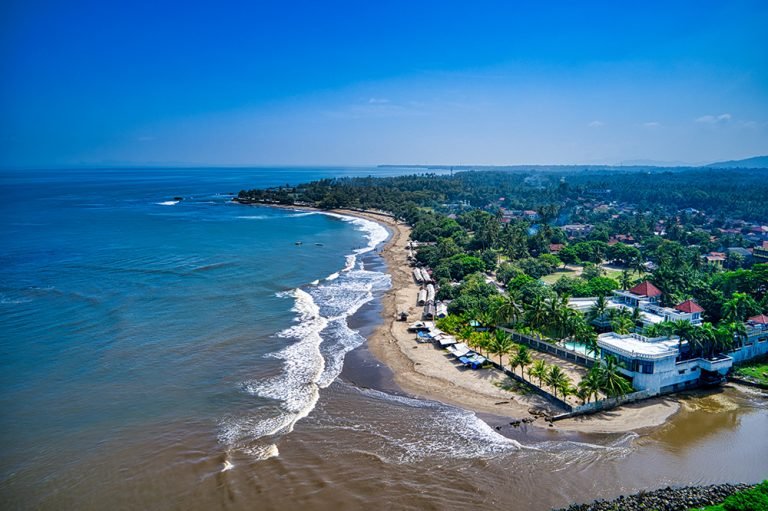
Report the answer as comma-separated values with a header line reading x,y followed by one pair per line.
x,y
424,371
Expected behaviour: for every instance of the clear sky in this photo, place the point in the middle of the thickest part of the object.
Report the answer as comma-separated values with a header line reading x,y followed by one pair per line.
x,y
369,82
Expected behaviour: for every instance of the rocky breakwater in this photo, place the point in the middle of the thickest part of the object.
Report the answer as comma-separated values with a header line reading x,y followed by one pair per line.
x,y
666,499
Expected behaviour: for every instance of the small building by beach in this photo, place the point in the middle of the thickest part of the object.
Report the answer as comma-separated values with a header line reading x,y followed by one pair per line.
x,y
655,365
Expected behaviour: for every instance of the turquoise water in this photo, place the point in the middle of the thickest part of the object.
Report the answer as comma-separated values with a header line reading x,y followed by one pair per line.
x,y
123,309
164,355
577,347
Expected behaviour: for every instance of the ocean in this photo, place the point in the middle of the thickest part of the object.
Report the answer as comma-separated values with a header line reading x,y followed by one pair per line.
x,y
190,354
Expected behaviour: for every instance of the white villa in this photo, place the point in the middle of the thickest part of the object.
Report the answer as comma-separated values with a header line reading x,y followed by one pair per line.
x,y
652,363
646,297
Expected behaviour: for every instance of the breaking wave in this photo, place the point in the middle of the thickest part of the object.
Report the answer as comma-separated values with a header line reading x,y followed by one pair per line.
x,y
314,356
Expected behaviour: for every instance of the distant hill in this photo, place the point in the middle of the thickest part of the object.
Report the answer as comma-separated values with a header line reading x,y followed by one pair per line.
x,y
757,162
657,163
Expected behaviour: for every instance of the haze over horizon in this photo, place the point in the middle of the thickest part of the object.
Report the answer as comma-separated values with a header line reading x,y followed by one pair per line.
x,y
343,83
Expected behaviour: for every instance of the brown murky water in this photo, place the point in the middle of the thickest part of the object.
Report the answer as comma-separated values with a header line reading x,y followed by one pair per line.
x,y
364,448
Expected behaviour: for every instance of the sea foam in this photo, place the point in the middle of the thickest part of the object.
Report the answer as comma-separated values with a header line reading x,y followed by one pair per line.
x,y
319,341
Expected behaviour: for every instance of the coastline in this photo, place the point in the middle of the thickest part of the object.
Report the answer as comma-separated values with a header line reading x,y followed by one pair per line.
x,y
420,370
423,371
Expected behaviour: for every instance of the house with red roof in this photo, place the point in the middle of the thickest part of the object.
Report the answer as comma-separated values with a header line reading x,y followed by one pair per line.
x,y
687,311
644,293
647,297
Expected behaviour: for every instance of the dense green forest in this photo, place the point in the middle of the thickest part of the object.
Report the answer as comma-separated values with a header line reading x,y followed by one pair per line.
x,y
653,226
726,193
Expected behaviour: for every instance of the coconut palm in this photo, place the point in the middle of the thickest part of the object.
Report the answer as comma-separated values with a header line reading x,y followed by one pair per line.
x,y
612,382
685,332
591,383
523,359
554,377
598,309
582,393
539,370
739,331
566,388
483,341
467,334
707,338
625,280
508,309
536,313
739,307
500,344
622,324
638,265
587,336
723,338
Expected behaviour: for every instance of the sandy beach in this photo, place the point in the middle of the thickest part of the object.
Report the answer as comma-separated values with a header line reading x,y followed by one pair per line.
x,y
425,371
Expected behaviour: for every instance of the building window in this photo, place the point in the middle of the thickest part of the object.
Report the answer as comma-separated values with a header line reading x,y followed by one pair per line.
x,y
681,371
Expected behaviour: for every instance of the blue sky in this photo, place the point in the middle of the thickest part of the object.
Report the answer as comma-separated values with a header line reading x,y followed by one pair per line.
x,y
355,83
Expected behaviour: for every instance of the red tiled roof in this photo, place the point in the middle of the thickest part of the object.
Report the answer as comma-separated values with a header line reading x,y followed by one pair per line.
x,y
689,306
646,289
761,318
555,247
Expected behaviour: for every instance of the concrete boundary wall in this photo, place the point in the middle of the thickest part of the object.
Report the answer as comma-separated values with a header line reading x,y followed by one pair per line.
x,y
540,391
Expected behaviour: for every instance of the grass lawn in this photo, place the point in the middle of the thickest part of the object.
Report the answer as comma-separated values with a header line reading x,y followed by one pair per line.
x,y
560,272
757,370
575,271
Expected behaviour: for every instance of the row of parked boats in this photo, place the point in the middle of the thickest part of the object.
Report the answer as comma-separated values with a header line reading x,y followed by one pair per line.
x,y
422,276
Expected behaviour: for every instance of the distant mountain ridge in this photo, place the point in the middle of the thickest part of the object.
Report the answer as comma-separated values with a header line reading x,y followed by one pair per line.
x,y
658,163
756,162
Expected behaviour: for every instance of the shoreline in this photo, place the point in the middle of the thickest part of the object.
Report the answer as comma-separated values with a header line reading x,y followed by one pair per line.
x,y
422,371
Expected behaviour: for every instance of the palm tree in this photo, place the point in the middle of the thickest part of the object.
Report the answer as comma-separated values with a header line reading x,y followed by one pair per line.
x,y
467,334
508,309
598,309
483,341
592,382
622,324
566,388
561,317
523,359
739,331
536,313
707,339
739,307
500,344
685,331
586,335
638,265
612,382
625,280
723,338
539,370
554,377
582,393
